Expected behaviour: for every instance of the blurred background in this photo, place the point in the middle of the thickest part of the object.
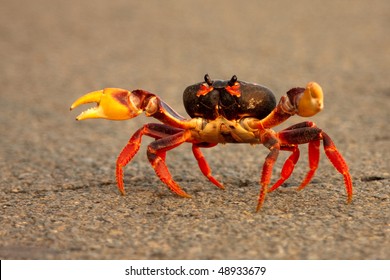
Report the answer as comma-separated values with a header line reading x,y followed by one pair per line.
x,y
57,185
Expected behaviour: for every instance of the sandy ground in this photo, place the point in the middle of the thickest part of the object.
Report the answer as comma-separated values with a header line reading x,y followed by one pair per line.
x,y
58,195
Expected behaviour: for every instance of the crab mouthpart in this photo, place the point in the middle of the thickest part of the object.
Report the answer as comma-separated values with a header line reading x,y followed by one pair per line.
x,y
112,104
311,101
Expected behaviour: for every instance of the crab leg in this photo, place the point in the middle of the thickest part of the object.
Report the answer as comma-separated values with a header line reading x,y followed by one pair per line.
x,y
314,158
273,145
338,162
203,165
288,166
307,132
155,130
156,156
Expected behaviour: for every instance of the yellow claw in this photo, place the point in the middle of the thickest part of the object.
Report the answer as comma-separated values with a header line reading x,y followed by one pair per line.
x,y
112,104
311,101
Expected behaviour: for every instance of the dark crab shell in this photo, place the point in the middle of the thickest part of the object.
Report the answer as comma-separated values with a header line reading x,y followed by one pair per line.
x,y
248,100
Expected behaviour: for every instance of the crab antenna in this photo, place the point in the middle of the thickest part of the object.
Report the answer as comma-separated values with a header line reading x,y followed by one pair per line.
x,y
232,81
208,80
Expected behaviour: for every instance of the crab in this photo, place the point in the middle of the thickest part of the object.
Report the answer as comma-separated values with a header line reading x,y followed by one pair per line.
x,y
221,111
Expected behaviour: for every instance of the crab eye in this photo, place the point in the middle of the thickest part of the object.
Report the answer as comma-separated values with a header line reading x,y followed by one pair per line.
x,y
232,81
208,80
233,87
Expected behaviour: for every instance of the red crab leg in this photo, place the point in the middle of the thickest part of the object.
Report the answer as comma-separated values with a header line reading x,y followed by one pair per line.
x,y
154,130
156,155
274,146
157,131
203,165
307,132
314,157
288,166
338,162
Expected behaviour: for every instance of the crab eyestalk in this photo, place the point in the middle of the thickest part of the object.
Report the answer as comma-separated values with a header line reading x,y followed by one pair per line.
x,y
112,104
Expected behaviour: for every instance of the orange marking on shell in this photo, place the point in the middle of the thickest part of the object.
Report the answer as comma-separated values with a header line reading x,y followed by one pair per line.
x,y
204,89
234,90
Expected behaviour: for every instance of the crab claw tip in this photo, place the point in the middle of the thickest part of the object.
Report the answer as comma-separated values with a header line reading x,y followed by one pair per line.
x,y
112,103
91,97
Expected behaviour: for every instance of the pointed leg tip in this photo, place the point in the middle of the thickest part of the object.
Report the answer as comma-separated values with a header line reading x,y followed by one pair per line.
x,y
259,207
262,196
184,195
220,186
179,191
260,204
215,182
175,188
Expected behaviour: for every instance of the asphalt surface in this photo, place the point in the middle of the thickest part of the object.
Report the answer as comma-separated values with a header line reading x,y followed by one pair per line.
x,y
58,195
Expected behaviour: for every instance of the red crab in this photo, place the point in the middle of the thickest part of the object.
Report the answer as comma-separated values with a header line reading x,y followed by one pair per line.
x,y
221,111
